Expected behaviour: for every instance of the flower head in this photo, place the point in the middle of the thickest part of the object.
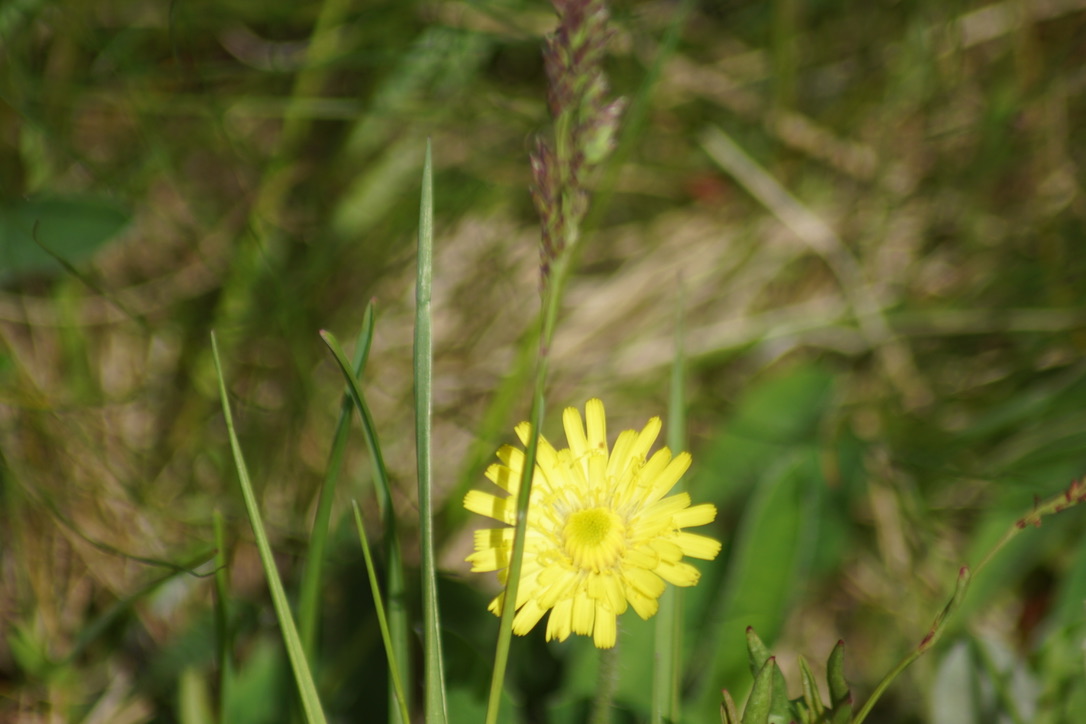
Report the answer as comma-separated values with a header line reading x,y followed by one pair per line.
x,y
601,535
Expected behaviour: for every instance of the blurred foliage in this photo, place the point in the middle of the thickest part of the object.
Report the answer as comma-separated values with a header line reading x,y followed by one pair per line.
x,y
872,401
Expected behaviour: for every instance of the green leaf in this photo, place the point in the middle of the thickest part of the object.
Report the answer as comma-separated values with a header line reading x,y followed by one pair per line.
x,y
760,701
72,228
840,696
423,367
811,697
728,713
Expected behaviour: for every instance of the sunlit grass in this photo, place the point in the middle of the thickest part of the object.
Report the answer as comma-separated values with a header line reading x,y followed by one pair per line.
x,y
882,328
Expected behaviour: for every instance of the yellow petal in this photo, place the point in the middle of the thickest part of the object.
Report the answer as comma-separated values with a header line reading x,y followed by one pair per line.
x,y
698,546
639,449
571,422
696,515
645,607
495,606
559,623
490,559
606,630
666,480
491,506
607,588
584,614
596,422
662,512
643,557
668,551
527,617
644,582
622,454
678,574
503,477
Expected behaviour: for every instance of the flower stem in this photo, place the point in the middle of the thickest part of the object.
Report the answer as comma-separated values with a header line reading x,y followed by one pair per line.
x,y
608,684
1072,496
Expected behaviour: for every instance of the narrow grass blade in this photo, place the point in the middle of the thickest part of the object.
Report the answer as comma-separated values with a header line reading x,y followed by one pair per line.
x,y
382,620
397,611
666,705
423,364
307,690
309,598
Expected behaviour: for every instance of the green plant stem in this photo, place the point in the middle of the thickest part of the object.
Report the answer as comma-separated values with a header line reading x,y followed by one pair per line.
x,y
423,364
1072,496
552,296
607,686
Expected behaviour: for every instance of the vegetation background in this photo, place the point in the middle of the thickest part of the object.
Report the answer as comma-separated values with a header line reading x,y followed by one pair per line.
x,y
870,214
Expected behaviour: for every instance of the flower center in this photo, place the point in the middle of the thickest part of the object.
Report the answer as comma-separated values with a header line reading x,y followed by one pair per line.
x,y
593,538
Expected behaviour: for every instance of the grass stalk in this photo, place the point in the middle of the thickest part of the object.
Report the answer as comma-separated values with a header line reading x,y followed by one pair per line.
x,y
307,690
382,620
397,611
309,598
552,296
423,366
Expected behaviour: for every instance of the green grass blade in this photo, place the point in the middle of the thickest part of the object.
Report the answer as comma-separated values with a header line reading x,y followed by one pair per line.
x,y
309,599
397,610
668,635
382,620
307,690
423,364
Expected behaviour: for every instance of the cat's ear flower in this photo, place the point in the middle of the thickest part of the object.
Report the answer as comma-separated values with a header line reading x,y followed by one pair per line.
x,y
602,532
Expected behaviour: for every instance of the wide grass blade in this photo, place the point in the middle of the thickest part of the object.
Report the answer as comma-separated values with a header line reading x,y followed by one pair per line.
x,y
307,690
382,620
423,364
397,611
309,598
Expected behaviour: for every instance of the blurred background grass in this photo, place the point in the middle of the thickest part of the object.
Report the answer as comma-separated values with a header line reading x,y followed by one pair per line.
x,y
885,366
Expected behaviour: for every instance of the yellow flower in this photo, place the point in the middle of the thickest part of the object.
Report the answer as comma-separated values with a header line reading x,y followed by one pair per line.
x,y
601,536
